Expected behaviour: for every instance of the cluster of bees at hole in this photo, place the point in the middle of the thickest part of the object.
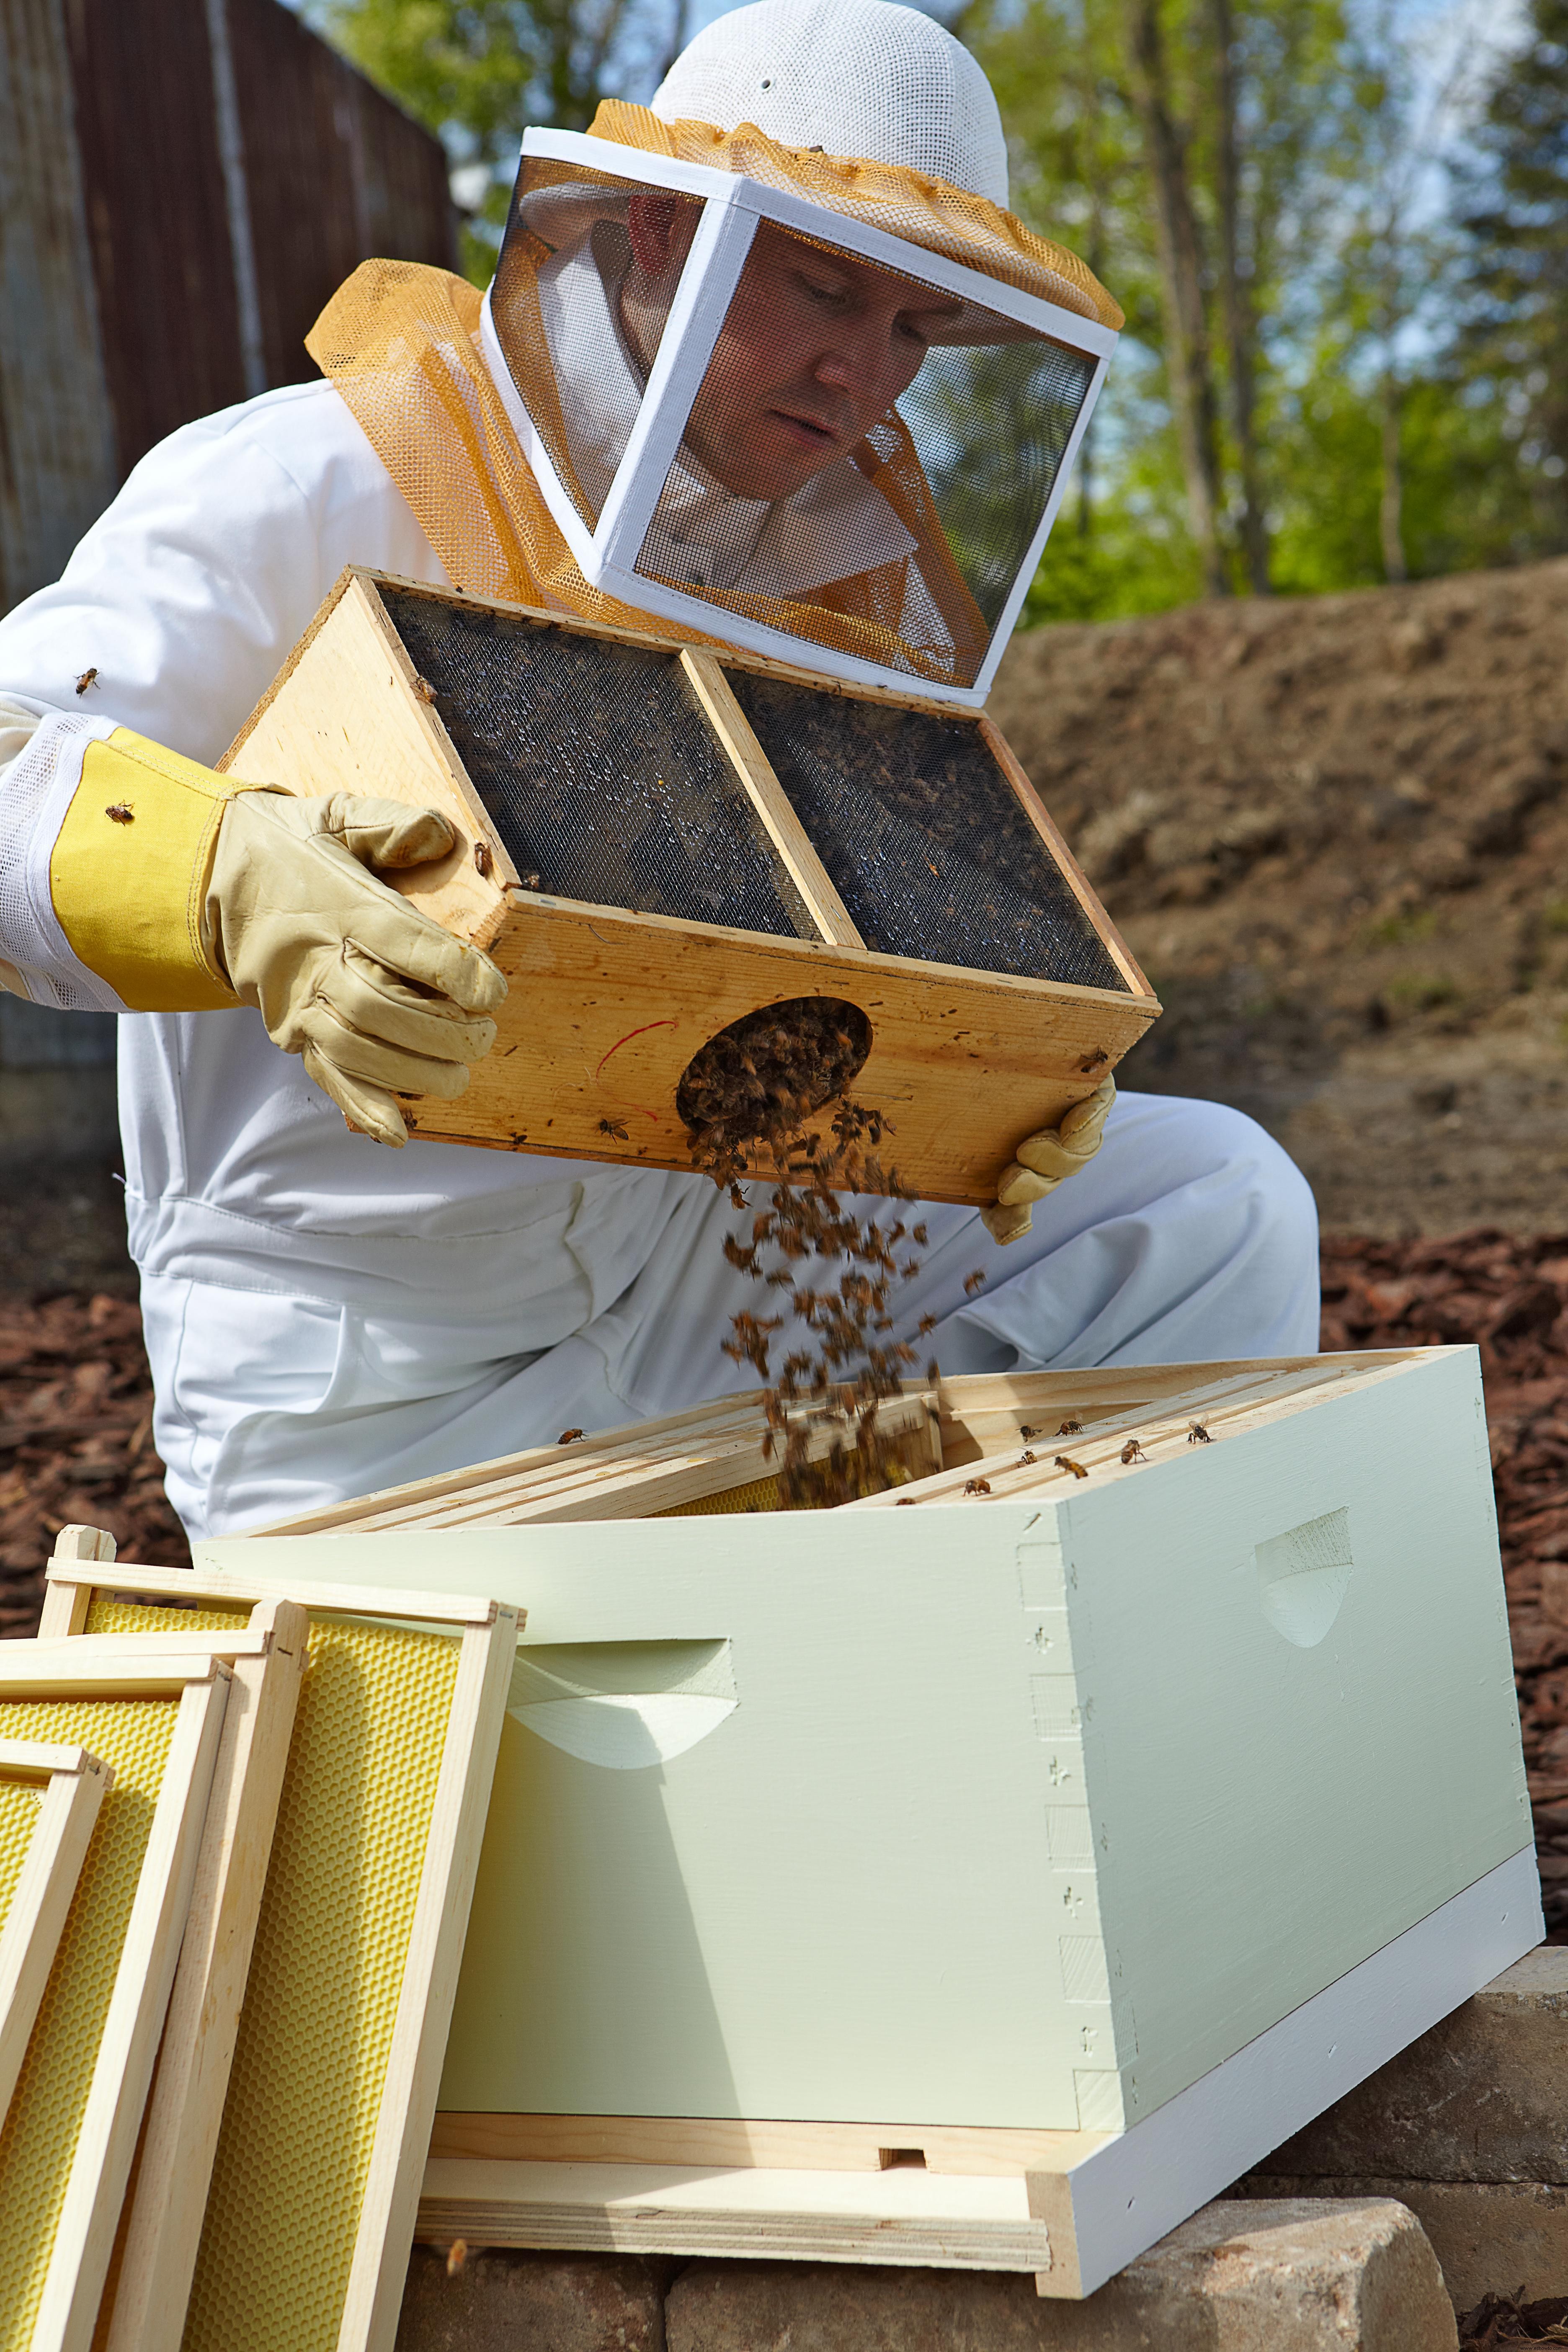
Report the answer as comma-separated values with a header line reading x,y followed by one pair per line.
x,y
1130,1452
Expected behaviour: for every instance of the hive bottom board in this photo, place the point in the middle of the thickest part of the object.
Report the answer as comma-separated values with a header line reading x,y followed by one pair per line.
x,y
1108,2197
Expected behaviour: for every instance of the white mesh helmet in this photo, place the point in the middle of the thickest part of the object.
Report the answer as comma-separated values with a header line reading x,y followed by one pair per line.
x,y
787,370
857,77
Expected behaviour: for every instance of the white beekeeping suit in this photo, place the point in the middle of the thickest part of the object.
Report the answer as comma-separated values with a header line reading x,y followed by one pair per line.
x,y
324,1314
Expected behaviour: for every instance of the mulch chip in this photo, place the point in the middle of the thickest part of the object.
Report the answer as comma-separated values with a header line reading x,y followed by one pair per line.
x,y
75,1443
1500,2320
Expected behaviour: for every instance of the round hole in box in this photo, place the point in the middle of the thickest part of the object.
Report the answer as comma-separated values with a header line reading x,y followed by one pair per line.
x,y
774,1066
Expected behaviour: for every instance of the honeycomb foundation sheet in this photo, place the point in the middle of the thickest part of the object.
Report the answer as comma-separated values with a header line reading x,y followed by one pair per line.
x,y
44,2124
281,2262
49,1799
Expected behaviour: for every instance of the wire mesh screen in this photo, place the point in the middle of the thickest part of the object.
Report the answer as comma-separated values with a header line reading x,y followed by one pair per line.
x,y
923,836
600,773
579,319
866,461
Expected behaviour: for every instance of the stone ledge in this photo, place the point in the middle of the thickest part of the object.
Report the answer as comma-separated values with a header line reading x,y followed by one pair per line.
x,y
1491,2237
1483,2096
1284,2277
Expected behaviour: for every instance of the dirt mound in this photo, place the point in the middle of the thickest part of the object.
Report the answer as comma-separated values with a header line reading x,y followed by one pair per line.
x,y
1335,832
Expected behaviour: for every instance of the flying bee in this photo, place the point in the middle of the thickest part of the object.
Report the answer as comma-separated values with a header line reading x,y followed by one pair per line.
x,y
120,813
569,1437
1197,1435
1134,1451
88,678
1070,1427
927,1323
1065,1462
973,1282
1026,1432
977,1487
613,1126
456,2255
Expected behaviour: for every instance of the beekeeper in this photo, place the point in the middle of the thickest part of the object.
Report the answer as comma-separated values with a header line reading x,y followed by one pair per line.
x,y
326,1316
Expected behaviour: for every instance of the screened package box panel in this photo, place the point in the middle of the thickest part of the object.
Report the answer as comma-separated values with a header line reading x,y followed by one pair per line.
x,y
658,842
1023,1812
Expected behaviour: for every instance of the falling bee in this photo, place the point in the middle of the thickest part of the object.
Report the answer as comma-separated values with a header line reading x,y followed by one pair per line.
x,y
120,813
1026,1432
1197,1435
569,1437
613,1126
88,678
1065,1462
973,1282
1025,1458
482,858
1070,1427
424,690
1134,1451
456,2255
977,1487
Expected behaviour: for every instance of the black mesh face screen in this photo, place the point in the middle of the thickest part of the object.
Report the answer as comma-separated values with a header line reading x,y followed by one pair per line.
x,y
598,769
922,836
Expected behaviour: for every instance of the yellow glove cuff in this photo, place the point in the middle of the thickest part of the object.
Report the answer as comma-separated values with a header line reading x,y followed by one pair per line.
x,y
129,870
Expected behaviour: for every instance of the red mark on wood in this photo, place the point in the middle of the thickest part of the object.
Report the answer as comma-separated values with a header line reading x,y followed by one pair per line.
x,y
627,1041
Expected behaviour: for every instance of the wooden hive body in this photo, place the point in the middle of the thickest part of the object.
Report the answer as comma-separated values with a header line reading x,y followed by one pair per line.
x,y
993,1826
649,861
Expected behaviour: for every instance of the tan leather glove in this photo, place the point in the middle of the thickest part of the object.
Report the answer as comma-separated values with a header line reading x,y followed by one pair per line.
x,y
1046,1159
375,999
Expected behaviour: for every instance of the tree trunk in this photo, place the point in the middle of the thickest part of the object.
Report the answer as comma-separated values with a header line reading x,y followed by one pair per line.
x,y
1240,327
1181,286
1391,505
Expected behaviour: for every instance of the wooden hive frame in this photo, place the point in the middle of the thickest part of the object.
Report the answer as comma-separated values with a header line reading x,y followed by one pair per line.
x,y
608,1005
713,1454
73,1785
69,2136
320,2288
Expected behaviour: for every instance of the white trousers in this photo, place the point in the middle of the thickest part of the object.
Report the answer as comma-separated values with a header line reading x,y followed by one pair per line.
x,y
1190,1238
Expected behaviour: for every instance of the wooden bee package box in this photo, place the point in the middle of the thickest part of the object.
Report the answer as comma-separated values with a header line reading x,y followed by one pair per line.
x,y
657,843
1100,1816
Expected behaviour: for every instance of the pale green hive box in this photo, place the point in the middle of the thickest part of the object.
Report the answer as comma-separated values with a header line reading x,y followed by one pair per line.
x,y
1088,1806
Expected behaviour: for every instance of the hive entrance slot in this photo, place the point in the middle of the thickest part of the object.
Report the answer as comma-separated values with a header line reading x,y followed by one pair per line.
x,y
772,1067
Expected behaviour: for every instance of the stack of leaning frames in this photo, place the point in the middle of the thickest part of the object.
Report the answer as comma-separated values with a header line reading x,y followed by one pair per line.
x,y
273,2200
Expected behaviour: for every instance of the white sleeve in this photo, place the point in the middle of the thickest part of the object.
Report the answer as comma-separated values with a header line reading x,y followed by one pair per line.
x,y
41,768
181,601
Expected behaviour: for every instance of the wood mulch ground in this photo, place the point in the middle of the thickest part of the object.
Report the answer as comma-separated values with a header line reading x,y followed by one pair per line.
x,y
76,1445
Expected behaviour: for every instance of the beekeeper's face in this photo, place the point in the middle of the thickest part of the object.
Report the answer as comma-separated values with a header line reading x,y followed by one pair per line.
x,y
817,345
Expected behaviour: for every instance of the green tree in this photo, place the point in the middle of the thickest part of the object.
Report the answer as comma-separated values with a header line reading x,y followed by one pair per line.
x,y
1512,349
478,72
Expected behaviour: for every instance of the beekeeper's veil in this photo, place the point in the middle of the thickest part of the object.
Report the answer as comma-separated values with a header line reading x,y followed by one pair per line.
x,y
788,371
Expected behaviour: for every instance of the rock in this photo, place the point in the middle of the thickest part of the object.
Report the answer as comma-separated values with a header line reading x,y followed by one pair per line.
x,y
504,2302
1491,2237
1483,2096
1279,2277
